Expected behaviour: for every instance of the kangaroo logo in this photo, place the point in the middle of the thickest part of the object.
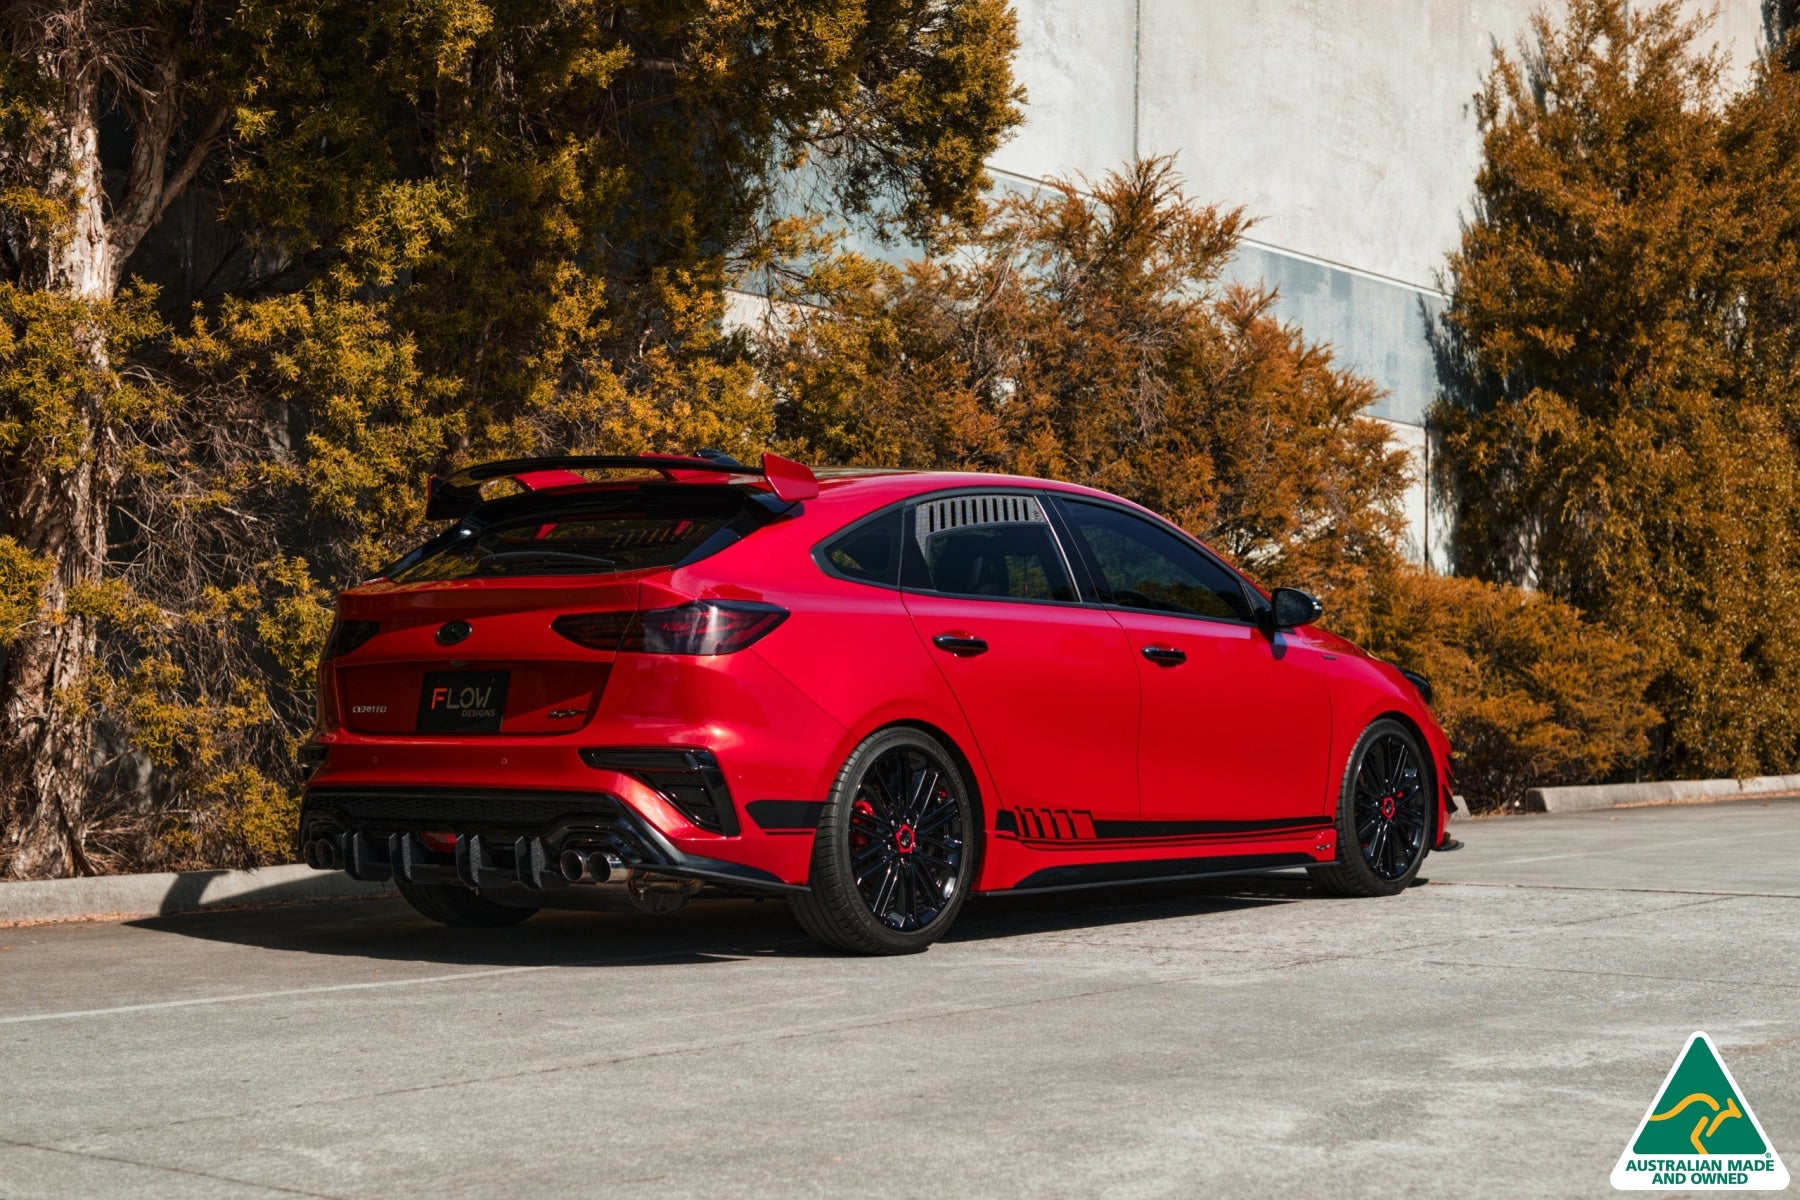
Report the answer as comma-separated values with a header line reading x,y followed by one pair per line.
x,y
1708,1124
1700,1133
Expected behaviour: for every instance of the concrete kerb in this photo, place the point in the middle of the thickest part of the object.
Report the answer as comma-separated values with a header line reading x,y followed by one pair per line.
x,y
121,897
1674,791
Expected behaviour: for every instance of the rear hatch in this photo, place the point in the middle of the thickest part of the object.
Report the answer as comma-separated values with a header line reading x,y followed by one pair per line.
x,y
456,639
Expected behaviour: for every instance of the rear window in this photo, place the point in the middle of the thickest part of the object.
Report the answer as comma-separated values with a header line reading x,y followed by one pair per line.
x,y
587,534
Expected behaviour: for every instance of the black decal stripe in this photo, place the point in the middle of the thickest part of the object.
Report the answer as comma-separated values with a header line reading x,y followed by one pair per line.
x,y
1154,871
1006,822
1156,829
786,814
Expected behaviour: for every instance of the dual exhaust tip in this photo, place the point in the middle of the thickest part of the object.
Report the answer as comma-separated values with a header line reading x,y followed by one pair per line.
x,y
587,864
324,854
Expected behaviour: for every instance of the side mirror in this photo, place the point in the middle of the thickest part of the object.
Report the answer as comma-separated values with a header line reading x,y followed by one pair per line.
x,y
1290,607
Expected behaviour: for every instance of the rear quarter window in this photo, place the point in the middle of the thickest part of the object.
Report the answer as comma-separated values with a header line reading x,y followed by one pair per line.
x,y
868,552
997,545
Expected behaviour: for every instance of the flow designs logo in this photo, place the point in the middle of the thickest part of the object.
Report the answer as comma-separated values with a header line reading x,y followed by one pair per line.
x,y
1699,1133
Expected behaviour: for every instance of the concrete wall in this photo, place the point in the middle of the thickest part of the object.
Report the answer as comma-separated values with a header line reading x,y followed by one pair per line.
x,y
1347,129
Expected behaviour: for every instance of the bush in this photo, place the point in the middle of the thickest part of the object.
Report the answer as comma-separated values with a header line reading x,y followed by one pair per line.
x,y
1530,694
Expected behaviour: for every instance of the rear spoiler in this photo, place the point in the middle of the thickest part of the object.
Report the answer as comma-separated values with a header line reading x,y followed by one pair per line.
x,y
452,497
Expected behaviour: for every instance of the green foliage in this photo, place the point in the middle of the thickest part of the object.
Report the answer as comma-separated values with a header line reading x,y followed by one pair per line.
x,y
1618,431
22,578
1529,692
1090,338
49,375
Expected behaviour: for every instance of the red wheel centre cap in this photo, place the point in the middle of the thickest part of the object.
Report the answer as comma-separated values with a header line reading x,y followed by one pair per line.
x,y
1387,807
903,839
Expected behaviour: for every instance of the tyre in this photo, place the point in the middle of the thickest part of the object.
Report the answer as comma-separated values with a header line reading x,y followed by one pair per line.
x,y
1385,810
892,859
459,906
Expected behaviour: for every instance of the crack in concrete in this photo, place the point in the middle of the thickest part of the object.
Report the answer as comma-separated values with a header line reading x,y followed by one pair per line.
x,y
150,1166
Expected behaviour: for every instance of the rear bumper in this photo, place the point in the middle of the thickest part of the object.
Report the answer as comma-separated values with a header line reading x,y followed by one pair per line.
x,y
507,841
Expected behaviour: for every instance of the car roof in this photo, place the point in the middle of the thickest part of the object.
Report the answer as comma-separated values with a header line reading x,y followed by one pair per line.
x,y
883,485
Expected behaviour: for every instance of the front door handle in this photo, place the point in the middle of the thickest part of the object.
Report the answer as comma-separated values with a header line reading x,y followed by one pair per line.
x,y
962,645
1165,656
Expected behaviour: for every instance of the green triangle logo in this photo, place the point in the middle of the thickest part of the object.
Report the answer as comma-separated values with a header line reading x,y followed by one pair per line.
x,y
1700,1133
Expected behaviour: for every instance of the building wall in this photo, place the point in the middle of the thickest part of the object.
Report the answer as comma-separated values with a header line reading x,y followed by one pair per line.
x,y
1345,128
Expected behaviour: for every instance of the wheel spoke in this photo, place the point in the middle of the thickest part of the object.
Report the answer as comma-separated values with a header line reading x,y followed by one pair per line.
x,y
931,819
1373,853
884,892
928,888
876,826
923,794
1397,767
881,805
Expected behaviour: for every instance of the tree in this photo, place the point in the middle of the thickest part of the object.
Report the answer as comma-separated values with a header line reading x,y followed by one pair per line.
x,y
1602,436
1530,693
1091,338
445,228
66,330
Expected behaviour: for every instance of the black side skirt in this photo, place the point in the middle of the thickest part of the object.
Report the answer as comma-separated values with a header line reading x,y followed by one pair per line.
x,y
1159,870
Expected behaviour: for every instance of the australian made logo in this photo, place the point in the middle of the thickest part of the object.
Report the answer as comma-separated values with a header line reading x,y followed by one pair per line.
x,y
1700,1133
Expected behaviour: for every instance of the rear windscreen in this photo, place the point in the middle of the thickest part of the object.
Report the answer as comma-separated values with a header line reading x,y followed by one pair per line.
x,y
594,533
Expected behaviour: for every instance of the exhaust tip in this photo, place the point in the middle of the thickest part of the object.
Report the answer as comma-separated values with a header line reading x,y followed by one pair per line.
x,y
574,865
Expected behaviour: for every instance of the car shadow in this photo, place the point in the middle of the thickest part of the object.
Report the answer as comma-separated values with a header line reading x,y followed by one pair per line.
x,y
707,931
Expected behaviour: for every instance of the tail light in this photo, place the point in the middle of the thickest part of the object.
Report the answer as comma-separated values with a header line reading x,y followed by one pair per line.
x,y
347,636
703,627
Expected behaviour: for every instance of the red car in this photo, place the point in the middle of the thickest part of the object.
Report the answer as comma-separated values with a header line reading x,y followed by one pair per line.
x,y
871,692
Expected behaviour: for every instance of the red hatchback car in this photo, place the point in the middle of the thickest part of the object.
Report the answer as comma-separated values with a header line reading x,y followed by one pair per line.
x,y
871,692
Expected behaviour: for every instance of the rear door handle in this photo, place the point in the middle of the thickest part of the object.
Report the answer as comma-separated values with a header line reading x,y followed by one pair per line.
x,y
1165,656
960,644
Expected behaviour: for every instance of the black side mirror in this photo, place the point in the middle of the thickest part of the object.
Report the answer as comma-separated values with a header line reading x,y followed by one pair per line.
x,y
1289,607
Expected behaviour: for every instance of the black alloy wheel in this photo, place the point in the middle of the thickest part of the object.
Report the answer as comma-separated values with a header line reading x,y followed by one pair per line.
x,y
891,860
1384,815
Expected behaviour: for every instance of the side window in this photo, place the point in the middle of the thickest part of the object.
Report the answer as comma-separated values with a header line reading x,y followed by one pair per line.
x,y
996,545
870,552
1143,565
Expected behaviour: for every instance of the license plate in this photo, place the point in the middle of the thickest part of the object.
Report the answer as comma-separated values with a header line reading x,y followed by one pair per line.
x,y
462,701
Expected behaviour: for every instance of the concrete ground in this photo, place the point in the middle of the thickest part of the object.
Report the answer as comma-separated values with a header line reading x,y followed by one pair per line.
x,y
1498,1031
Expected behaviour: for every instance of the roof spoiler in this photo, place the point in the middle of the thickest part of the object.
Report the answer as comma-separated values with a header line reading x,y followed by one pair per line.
x,y
452,497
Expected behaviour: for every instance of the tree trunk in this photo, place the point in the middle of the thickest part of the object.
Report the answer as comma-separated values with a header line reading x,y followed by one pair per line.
x,y
47,749
47,763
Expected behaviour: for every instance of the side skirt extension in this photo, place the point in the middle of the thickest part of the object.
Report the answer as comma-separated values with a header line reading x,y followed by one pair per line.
x,y
1160,870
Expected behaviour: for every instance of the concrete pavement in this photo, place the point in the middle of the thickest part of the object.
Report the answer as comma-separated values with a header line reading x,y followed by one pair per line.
x,y
1495,1032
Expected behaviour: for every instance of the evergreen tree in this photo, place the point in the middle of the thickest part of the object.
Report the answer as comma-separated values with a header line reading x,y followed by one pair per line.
x,y
1603,437
1091,338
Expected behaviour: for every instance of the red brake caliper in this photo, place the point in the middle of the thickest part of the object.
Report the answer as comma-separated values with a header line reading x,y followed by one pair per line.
x,y
858,837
